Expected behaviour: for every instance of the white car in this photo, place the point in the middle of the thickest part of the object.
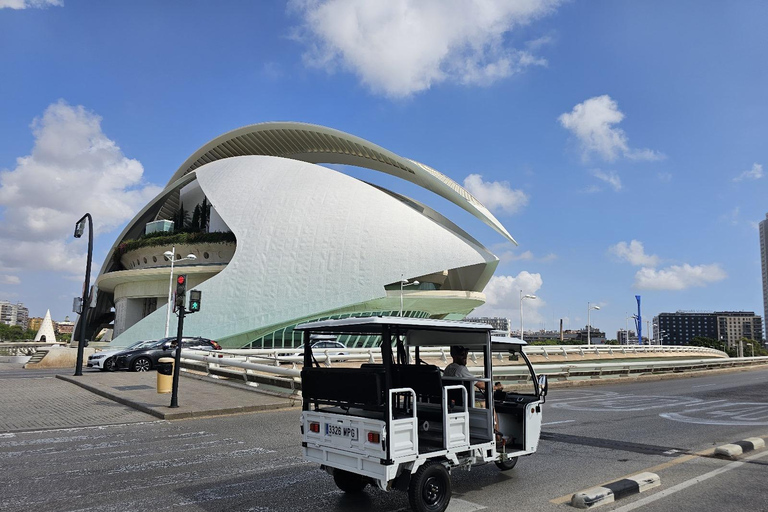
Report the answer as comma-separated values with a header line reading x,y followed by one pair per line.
x,y
105,360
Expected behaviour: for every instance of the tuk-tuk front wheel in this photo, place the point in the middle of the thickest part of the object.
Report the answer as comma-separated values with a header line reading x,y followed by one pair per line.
x,y
506,464
430,488
350,483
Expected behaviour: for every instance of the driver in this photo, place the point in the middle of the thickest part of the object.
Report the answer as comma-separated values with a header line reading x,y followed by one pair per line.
x,y
458,368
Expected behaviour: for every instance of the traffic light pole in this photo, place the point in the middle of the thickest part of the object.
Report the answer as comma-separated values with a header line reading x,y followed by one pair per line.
x,y
177,359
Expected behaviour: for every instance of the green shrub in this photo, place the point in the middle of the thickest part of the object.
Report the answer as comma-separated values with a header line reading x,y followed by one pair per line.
x,y
161,238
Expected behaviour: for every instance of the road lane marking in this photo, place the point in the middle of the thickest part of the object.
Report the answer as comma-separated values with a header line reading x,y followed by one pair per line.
x,y
689,483
557,422
705,385
77,429
655,469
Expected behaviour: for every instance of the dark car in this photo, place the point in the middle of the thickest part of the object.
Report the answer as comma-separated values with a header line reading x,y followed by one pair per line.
x,y
145,358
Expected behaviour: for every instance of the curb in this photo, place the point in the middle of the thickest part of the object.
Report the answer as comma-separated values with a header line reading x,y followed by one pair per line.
x,y
733,450
608,493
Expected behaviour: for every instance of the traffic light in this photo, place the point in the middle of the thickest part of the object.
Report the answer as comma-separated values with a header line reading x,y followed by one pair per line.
x,y
194,300
181,290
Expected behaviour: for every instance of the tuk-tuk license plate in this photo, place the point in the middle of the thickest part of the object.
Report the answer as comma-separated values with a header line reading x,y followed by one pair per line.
x,y
338,430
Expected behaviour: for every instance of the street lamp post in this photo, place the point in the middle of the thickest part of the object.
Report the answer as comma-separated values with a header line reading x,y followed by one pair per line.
x,y
523,297
171,255
589,323
79,228
404,282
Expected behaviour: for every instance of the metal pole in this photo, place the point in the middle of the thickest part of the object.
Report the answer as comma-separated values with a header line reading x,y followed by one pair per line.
x,y
589,329
170,294
521,315
402,278
177,360
86,297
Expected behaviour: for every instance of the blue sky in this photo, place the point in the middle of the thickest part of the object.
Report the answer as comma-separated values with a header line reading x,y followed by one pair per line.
x,y
621,143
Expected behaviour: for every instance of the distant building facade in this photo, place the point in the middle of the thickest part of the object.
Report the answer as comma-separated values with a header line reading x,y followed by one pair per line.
x,y
14,314
596,337
625,337
65,327
498,323
726,326
34,323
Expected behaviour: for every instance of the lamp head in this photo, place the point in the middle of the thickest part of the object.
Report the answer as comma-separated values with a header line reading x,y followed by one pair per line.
x,y
168,255
190,257
530,297
595,307
80,228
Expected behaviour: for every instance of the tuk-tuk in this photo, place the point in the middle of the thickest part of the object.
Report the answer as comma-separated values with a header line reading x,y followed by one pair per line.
x,y
401,424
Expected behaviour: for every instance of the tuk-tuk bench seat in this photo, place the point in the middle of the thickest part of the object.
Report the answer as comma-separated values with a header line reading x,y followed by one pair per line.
x,y
344,386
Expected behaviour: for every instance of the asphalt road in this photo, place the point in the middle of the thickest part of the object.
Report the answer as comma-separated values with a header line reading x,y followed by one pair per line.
x,y
252,462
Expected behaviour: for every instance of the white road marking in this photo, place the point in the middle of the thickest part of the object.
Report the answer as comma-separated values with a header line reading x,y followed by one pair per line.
x,y
688,483
77,429
705,385
557,422
457,505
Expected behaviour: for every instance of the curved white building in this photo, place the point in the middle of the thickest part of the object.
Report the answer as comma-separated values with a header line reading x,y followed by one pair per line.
x,y
311,242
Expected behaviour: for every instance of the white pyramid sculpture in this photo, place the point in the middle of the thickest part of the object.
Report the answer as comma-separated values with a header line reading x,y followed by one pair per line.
x,y
46,329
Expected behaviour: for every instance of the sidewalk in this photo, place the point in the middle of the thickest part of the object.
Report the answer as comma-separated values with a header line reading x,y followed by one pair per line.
x,y
198,396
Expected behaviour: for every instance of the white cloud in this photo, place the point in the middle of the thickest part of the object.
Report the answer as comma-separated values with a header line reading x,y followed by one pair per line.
x,y
609,177
503,297
8,279
508,256
593,123
400,47
664,177
25,4
496,195
634,253
678,277
755,173
73,168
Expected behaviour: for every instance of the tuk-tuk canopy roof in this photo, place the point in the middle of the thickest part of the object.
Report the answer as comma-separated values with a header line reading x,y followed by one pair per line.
x,y
505,344
418,331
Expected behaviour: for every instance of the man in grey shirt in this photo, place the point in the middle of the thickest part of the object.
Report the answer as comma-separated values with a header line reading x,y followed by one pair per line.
x,y
458,368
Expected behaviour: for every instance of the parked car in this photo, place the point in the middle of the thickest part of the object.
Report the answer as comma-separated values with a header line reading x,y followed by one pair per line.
x,y
105,360
334,348
145,358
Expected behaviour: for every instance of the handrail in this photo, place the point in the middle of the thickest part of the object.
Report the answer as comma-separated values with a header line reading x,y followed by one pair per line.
x,y
556,371
276,356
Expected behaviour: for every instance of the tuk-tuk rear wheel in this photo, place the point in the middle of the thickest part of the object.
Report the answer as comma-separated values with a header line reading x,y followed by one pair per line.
x,y
430,488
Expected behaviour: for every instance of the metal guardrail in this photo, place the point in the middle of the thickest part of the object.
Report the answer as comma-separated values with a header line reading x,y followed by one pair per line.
x,y
25,348
249,363
278,356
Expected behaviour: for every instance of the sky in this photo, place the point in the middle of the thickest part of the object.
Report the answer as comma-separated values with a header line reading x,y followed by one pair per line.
x,y
622,144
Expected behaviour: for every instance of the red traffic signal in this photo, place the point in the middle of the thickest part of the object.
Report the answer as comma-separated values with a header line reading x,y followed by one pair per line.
x,y
181,290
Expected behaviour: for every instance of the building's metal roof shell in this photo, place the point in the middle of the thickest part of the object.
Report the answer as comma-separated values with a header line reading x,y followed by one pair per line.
x,y
319,144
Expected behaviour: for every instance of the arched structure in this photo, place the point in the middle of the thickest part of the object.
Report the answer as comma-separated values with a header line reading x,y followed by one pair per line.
x,y
311,242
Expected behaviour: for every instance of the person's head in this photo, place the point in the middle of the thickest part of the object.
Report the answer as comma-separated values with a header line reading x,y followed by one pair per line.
x,y
497,385
459,354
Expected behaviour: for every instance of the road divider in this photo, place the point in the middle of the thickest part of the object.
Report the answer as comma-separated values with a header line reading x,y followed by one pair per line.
x,y
608,493
733,450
